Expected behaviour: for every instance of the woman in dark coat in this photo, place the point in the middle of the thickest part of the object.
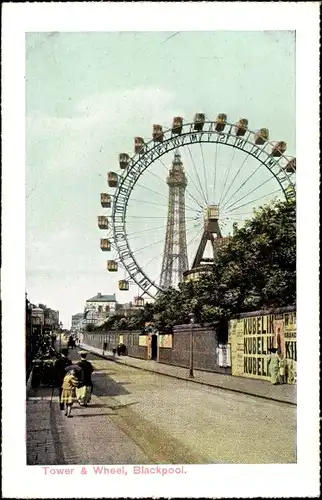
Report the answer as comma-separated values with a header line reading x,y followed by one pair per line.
x,y
84,390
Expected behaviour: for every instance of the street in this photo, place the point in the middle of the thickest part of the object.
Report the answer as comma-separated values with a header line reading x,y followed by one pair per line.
x,y
140,417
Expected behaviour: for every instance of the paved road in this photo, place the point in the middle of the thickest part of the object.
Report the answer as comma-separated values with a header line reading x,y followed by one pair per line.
x,y
142,417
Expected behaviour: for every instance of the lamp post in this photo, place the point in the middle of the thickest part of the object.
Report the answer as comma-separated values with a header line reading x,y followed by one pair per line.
x,y
60,331
192,320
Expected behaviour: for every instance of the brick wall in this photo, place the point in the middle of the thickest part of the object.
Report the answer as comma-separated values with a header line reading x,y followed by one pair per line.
x,y
204,349
130,339
204,344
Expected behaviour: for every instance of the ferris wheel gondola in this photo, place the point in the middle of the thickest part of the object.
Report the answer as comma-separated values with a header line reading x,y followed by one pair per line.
x,y
225,170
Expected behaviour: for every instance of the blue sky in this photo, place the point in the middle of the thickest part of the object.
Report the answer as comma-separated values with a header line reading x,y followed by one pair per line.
x,y
89,94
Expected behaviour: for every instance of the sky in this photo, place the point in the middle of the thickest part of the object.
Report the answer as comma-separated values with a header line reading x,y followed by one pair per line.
x,y
88,94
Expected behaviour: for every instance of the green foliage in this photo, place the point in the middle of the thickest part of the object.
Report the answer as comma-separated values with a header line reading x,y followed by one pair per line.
x,y
254,269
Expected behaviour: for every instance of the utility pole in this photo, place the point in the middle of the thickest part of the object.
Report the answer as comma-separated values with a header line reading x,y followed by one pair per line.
x,y
60,332
192,320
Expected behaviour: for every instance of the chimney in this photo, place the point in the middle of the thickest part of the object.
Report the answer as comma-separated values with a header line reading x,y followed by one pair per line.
x,y
99,295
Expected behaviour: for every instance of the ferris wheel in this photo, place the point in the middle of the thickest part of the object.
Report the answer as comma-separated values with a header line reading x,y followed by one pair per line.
x,y
185,187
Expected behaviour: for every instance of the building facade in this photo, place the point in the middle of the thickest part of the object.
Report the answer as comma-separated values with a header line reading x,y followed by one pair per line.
x,y
77,321
99,308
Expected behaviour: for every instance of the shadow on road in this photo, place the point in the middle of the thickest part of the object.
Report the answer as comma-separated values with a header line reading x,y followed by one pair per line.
x,y
95,415
104,370
106,386
119,407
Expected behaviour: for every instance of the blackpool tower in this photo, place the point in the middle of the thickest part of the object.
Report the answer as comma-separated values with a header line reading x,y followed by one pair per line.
x,y
175,256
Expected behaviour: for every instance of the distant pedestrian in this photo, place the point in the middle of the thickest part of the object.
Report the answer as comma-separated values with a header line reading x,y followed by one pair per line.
x,y
114,351
71,342
121,349
274,365
60,372
84,390
68,395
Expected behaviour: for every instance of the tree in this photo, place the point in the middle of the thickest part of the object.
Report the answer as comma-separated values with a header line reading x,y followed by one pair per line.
x,y
255,268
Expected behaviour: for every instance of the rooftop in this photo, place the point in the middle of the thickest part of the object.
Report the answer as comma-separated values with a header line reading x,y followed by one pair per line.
x,y
102,298
78,315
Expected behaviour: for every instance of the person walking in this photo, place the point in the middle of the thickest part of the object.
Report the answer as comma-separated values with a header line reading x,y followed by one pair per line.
x,y
60,371
274,366
84,391
71,342
68,395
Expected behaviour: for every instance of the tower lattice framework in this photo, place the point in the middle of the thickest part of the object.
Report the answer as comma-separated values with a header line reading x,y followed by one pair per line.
x,y
175,256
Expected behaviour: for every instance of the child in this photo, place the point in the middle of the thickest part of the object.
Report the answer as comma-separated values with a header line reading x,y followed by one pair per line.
x,y
68,395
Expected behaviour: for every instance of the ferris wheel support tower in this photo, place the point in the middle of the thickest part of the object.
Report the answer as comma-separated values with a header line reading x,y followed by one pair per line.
x,y
175,256
211,228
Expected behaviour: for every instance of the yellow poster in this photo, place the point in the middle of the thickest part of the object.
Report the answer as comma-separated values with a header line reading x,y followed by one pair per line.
x,y
290,347
143,340
251,338
165,341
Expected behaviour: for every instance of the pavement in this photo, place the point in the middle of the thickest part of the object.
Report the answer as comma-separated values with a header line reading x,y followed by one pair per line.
x,y
260,388
141,417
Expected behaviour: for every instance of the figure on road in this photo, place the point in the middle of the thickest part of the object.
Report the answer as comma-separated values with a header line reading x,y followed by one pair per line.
x,y
84,391
68,395
274,366
121,349
60,372
71,342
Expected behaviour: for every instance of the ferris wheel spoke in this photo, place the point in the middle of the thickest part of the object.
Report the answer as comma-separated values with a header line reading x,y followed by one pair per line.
x,y
215,171
187,190
149,202
249,193
244,213
152,191
194,185
260,198
153,244
235,177
175,258
164,196
146,230
198,178
193,182
147,217
137,234
233,219
159,255
227,175
205,174
233,189
244,183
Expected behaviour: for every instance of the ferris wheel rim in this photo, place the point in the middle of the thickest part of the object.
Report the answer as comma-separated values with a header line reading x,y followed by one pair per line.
x,y
122,245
